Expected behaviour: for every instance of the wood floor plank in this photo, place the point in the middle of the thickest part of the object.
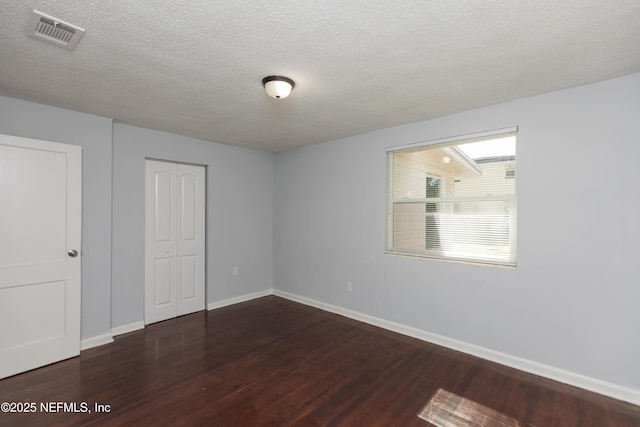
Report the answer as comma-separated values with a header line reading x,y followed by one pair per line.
x,y
273,362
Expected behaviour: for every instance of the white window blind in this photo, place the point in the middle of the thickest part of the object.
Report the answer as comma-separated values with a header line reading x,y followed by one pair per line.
x,y
454,199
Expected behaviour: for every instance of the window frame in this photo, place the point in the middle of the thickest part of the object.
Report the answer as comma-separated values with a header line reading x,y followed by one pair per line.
x,y
440,254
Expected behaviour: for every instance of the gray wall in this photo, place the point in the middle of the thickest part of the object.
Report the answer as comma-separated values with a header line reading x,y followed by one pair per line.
x,y
239,215
93,133
573,300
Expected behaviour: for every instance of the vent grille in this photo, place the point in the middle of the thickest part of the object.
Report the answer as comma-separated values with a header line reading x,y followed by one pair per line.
x,y
54,31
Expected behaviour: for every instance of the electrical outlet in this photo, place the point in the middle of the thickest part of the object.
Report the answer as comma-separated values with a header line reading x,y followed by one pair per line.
x,y
349,284
235,271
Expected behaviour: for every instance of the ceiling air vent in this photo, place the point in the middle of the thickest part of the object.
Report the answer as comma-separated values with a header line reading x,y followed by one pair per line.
x,y
54,31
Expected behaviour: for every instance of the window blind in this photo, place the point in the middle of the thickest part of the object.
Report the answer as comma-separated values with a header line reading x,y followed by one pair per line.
x,y
454,199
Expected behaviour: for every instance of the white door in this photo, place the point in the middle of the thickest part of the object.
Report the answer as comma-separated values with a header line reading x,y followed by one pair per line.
x,y
174,240
40,214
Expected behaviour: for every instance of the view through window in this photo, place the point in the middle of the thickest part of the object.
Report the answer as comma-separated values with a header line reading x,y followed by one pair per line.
x,y
454,200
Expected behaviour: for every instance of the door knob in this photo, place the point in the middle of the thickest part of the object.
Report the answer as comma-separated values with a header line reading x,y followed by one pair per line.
x,y
72,253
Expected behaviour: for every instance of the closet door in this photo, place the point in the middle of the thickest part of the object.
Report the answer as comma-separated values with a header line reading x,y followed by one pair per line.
x,y
175,240
190,260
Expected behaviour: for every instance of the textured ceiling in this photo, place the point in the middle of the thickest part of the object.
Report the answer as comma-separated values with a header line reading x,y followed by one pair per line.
x,y
195,67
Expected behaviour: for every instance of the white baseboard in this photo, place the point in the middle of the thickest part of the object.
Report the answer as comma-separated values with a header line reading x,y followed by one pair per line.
x,y
124,329
135,326
598,386
239,299
96,341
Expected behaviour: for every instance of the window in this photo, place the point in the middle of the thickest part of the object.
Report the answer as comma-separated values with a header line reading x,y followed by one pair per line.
x,y
454,199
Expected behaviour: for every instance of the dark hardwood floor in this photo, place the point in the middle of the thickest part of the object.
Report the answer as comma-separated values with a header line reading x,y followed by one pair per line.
x,y
272,362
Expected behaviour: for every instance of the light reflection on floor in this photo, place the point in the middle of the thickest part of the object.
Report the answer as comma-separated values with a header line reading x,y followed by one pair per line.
x,y
446,409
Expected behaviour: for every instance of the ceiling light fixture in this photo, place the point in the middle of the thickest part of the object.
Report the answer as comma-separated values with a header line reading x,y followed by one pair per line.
x,y
278,86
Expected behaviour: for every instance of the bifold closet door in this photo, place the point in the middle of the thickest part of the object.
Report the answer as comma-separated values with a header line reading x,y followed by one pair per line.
x,y
174,240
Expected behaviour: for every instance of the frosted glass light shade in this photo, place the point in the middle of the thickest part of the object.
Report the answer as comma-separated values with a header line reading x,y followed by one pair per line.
x,y
277,86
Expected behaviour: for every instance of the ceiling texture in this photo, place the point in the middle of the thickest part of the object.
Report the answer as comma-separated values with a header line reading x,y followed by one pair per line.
x,y
195,67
